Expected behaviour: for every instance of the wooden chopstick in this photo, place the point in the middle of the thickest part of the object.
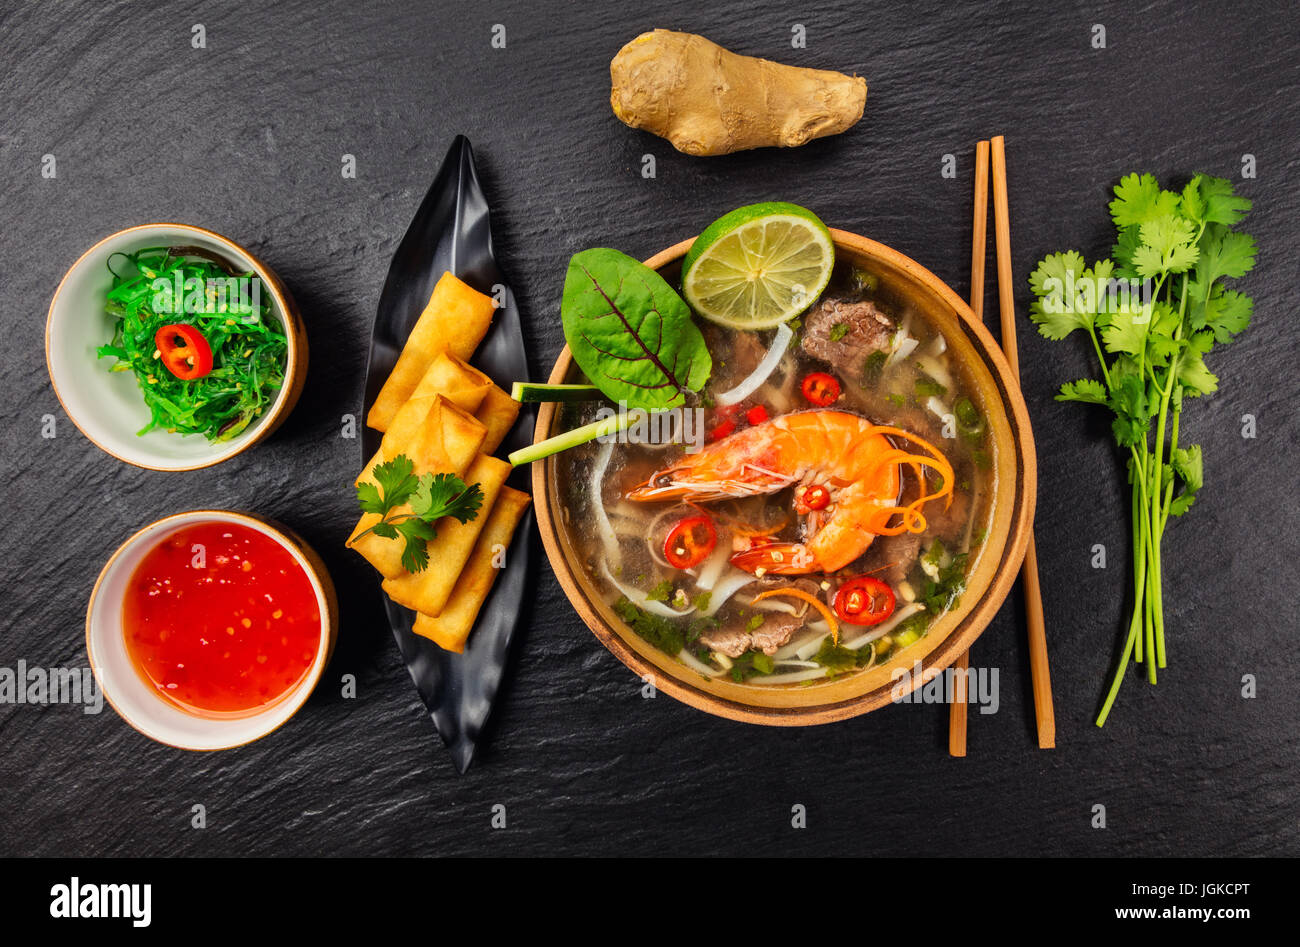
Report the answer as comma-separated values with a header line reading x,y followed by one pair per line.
x,y
1038,666
978,251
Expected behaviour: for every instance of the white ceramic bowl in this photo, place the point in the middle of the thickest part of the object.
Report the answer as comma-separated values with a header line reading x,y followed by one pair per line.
x,y
106,406
136,701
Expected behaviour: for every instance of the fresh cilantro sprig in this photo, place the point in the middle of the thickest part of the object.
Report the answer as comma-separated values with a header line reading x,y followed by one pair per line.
x,y
1153,311
430,497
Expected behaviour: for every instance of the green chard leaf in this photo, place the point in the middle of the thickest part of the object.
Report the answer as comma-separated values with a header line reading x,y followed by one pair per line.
x,y
630,332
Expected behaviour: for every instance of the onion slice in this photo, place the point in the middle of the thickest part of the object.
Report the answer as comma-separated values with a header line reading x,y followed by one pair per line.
x,y
596,488
762,372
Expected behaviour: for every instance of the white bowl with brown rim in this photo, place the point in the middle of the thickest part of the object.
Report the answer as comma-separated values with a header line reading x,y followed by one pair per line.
x,y
136,700
106,406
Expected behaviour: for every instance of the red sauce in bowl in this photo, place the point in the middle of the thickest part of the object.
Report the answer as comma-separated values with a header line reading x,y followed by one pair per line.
x,y
221,619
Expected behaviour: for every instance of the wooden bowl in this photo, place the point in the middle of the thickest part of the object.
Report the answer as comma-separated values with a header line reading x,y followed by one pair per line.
x,y
992,573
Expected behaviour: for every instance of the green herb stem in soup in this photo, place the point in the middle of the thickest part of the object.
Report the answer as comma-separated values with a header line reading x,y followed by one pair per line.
x,y
831,514
206,352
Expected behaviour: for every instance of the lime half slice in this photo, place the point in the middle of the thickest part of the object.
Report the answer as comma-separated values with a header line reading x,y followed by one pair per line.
x,y
758,266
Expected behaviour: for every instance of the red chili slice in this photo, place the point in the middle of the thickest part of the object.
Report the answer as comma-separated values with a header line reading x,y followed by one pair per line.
x,y
821,389
864,600
184,350
722,430
690,542
817,497
756,414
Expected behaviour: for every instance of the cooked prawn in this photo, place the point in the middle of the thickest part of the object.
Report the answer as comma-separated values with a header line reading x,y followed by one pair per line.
x,y
857,461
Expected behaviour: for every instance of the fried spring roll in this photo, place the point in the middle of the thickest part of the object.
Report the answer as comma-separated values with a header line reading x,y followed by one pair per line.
x,y
429,589
455,320
498,412
451,628
448,442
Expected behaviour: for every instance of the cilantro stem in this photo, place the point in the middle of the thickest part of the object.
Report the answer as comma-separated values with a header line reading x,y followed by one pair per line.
x,y
384,521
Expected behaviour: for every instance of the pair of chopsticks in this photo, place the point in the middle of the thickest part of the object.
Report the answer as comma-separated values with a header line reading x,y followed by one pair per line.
x,y
1038,668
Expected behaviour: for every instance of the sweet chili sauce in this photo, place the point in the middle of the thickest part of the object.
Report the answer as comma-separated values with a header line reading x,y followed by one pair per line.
x,y
221,619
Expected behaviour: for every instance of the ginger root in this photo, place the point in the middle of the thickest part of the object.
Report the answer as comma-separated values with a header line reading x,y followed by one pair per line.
x,y
707,100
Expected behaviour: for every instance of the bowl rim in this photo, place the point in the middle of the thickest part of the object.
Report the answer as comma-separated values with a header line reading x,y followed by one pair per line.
x,y
295,367
315,570
956,643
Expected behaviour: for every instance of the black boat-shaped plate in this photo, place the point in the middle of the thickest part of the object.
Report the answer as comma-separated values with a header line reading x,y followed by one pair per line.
x,y
452,231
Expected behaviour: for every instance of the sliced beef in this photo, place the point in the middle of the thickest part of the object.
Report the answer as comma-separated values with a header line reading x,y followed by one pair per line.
x,y
731,639
734,638
777,630
864,329
890,558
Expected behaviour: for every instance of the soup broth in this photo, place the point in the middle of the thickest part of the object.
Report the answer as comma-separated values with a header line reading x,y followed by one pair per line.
x,y
787,522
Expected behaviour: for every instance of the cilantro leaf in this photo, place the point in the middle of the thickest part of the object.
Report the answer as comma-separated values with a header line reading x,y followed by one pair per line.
x,y
1087,390
1067,296
1167,246
1126,329
1138,198
415,552
1188,465
1195,378
369,499
396,480
661,592
430,496
439,495
1224,253
1221,205
1224,311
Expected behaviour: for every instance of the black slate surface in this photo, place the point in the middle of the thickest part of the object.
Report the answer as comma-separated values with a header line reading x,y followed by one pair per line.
x,y
247,137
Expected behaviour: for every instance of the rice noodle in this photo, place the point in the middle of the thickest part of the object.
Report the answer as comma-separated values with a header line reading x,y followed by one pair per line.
x,y
772,605
794,677
596,487
712,568
695,664
637,597
809,648
762,372
726,588
879,631
806,645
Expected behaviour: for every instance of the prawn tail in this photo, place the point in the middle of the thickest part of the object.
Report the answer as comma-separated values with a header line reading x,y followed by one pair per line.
x,y
779,558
